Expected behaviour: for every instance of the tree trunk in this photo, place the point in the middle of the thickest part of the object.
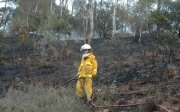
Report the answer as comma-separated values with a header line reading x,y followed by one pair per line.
x,y
72,9
140,34
51,6
4,19
126,22
85,23
61,5
66,4
159,3
36,8
91,17
114,19
137,33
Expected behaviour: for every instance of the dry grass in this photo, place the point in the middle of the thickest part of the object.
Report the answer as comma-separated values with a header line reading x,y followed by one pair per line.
x,y
42,99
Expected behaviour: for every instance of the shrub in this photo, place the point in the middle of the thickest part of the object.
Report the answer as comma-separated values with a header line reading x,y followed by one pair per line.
x,y
58,23
39,98
27,44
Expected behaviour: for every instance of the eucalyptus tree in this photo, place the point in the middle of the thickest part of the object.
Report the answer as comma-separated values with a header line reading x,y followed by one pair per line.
x,y
83,18
103,21
3,9
172,14
63,5
79,17
170,28
29,14
121,18
91,21
165,17
6,11
139,18
115,3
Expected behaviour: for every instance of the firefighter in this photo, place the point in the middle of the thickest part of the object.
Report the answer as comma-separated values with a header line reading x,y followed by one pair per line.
x,y
86,72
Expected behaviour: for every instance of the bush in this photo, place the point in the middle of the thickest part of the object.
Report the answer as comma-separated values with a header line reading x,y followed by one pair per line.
x,y
168,40
39,98
1,34
27,44
57,23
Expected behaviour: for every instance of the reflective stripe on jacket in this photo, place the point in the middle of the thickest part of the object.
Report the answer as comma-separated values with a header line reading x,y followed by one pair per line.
x,y
85,76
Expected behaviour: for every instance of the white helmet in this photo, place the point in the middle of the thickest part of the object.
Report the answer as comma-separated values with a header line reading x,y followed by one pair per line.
x,y
85,46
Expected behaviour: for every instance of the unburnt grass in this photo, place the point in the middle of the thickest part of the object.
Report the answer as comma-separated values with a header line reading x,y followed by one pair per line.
x,y
40,98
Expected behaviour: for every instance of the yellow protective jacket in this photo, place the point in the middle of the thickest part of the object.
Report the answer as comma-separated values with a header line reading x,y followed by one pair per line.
x,y
88,66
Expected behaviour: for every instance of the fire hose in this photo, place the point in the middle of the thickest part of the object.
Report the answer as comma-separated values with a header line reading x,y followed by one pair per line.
x,y
161,109
94,96
74,78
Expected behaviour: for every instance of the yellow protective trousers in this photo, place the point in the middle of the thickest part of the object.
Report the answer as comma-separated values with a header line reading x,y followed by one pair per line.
x,y
84,85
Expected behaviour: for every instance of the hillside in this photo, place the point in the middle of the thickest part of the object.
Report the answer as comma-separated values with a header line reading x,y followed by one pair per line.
x,y
127,73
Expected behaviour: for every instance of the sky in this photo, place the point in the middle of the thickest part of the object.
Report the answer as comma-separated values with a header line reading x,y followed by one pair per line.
x,y
70,2
2,4
58,2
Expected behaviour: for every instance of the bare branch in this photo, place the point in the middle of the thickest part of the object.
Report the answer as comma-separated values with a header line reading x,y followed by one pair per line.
x,y
112,2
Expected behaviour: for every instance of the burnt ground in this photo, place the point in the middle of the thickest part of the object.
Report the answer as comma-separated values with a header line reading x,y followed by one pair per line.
x,y
127,72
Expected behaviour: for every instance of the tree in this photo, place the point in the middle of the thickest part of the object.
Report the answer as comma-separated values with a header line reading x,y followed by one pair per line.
x,y
158,11
114,18
139,18
103,20
91,20
79,17
6,12
166,16
121,18
58,24
3,18
173,16
30,14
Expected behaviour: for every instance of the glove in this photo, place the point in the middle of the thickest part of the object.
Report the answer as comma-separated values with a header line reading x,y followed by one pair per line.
x,y
94,75
78,75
